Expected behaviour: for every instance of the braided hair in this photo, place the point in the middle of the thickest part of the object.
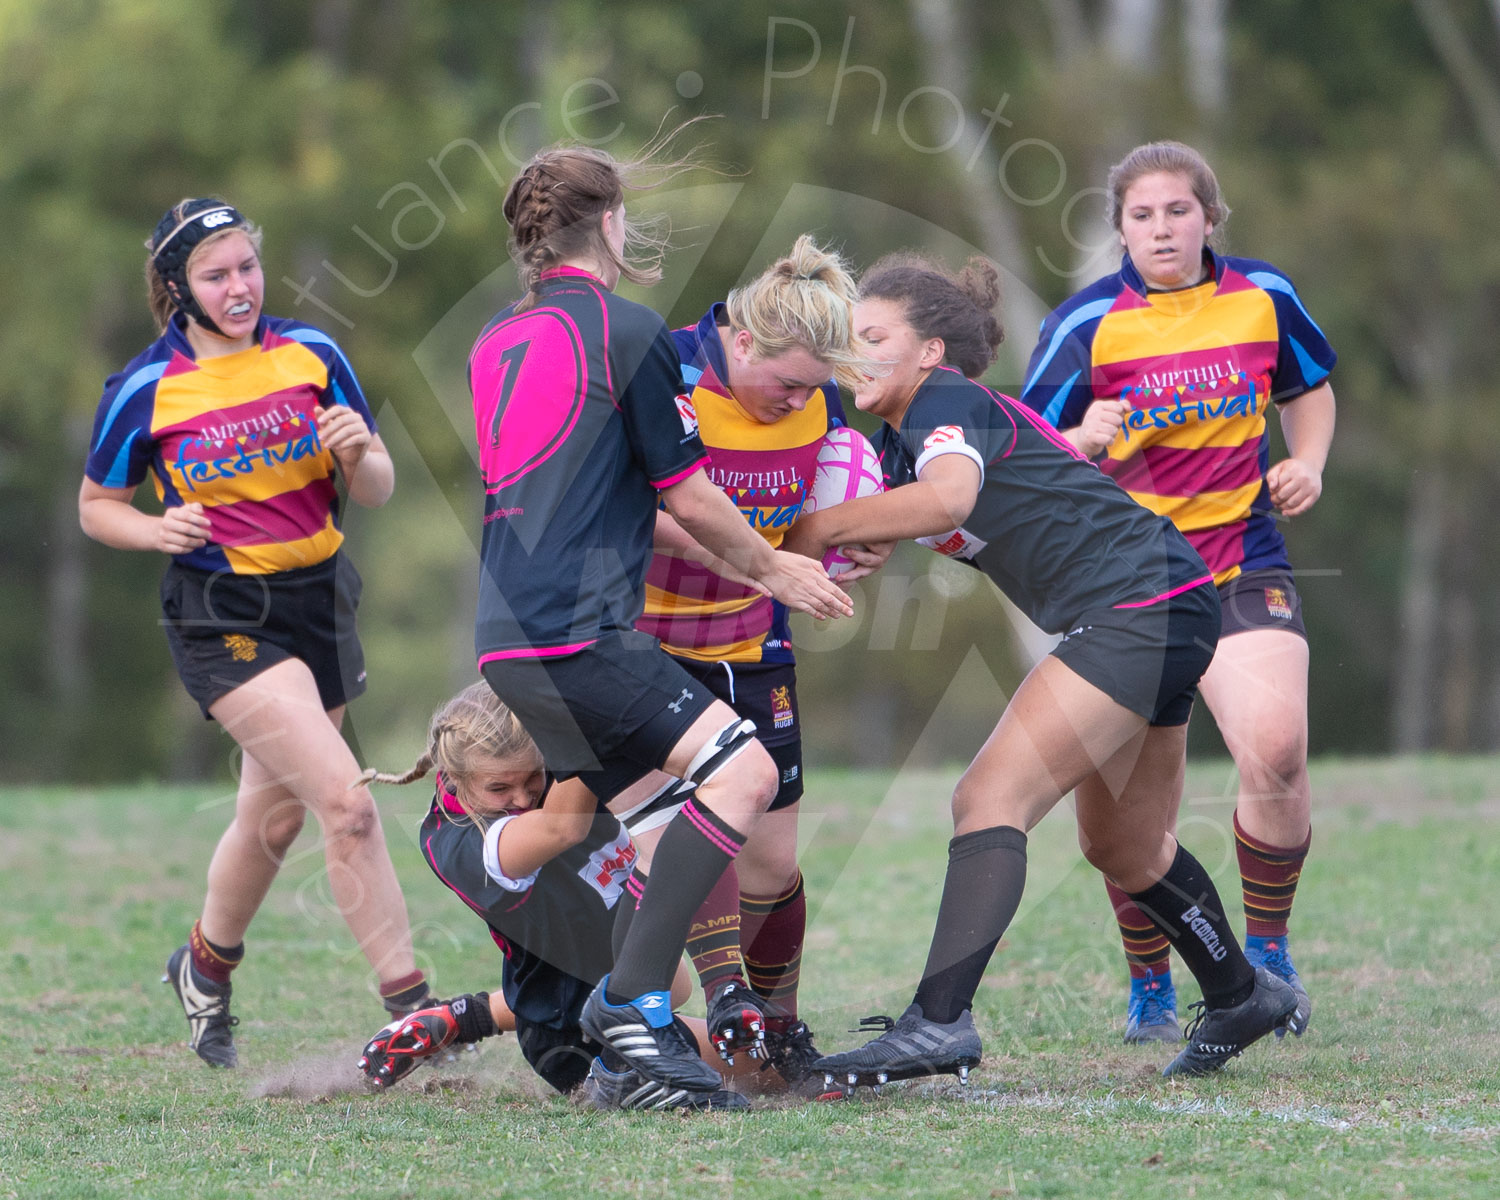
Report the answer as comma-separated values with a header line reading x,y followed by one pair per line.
x,y
555,205
474,724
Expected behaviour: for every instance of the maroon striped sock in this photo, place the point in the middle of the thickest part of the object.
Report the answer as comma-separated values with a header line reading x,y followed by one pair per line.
x,y
713,941
211,961
1146,947
1268,875
773,929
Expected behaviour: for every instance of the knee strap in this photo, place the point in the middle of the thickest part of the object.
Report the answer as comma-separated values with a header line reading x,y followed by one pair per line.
x,y
720,750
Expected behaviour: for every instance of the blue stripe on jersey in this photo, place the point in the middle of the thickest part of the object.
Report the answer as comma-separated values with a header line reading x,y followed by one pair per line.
x,y
691,375
1053,412
1275,283
1312,372
1086,312
315,337
147,374
119,470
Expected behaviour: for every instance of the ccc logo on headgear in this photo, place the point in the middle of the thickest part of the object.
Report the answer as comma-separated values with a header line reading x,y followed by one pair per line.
x,y
215,219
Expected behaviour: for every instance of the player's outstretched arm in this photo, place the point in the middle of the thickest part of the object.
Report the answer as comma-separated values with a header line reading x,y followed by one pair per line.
x,y
714,522
938,502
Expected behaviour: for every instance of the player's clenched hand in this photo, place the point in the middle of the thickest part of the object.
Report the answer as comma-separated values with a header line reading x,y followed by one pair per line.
x,y
343,431
803,585
183,527
1100,425
399,1047
1295,486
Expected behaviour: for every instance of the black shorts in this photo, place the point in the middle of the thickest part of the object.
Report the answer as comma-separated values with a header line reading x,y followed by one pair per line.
x,y
1264,599
621,699
547,1008
765,693
224,629
1148,659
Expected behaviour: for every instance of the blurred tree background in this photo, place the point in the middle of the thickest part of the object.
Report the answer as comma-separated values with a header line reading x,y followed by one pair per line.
x,y
373,140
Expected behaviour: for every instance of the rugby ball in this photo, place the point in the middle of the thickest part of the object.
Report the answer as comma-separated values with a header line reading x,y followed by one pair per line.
x,y
848,468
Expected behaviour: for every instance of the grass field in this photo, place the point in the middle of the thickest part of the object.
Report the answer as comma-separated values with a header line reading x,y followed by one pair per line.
x,y
1392,1093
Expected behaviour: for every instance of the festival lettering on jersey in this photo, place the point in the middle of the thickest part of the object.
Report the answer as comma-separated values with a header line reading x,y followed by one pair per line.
x,y
298,432
750,491
1221,398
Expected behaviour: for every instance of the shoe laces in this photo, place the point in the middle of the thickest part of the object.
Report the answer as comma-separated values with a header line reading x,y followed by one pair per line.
x,y
1276,960
1155,1003
1199,1009
870,1024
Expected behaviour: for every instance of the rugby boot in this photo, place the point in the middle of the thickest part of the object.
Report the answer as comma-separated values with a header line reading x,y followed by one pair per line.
x,y
1152,1015
792,1055
1275,956
206,1005
644,1033
736,1021
910,1047
1216,1035
603,1088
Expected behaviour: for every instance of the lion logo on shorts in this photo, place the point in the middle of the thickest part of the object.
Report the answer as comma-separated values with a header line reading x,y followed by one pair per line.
x,y
1277,605
781,707
240,647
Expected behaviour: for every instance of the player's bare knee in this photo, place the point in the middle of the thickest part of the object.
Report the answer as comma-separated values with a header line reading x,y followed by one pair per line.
x,y
352,817
1275,767
280,829
747,783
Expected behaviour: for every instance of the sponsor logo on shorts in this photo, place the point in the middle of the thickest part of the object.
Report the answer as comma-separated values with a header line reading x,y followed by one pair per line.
x,y
782,716
1277,603
240,647
790,774
676,705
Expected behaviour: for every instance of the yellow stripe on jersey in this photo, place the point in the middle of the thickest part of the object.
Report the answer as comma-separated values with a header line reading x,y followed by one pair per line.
x,y
658,600
745,651
1184,323
726,426
1207,510
232,379
285,556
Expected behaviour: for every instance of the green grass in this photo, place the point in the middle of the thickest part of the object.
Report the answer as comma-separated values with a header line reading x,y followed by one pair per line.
x,y
1393,1091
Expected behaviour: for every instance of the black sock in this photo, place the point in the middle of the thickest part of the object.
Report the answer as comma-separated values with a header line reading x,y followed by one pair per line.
x,y
693,852
625,909
986,875
1186,907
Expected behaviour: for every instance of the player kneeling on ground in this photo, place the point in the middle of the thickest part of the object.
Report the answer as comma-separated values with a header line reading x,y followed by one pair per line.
x,y
547,880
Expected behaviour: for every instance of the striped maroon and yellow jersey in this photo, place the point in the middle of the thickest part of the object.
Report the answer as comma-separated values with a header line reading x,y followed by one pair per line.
x,y
1200,367
236,434
767,471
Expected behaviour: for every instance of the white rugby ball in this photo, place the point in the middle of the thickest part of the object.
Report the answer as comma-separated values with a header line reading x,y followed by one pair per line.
x,y
848,468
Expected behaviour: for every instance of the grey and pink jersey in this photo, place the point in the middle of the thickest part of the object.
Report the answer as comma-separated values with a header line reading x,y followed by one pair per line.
x,y
579,428
1053,533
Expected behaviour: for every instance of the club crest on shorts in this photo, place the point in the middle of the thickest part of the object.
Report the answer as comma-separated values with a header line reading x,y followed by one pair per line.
x,y
1277,603
782,715
240,647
